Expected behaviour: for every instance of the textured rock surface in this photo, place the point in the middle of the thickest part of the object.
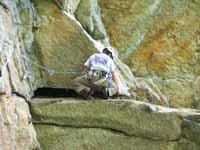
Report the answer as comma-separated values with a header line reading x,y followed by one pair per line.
x,y
159,40
180,91
157,37
69,5
120,116
10,48
16,24
192,131
109,125
88,13
61,44
98,139
16,129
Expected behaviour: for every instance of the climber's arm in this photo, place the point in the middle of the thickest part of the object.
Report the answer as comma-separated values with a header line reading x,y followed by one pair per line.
x,y
116,79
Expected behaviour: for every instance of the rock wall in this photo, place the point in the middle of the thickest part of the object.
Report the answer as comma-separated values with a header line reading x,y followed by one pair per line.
x,y
17,23
61,44
155,38
43,43
67,124
17,76
16,128
52,39
158,39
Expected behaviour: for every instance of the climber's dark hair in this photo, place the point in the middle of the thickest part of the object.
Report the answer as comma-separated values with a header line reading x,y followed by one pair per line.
x,y
107,52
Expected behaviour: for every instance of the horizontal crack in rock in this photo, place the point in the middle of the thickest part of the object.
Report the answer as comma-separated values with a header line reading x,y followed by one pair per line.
x,y
103,128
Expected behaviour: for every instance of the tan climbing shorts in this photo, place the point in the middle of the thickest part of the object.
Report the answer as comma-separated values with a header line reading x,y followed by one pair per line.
x,y
95,80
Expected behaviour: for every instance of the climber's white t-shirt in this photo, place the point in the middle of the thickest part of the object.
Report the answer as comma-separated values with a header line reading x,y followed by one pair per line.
x,y
100,61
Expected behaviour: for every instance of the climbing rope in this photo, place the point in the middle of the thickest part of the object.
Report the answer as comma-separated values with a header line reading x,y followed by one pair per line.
x,y
48,70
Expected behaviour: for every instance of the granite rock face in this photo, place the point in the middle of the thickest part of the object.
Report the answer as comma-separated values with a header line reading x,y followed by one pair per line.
x,y
16,129
98,139
15,41
17,76
61,45
112,125
43,43
157,39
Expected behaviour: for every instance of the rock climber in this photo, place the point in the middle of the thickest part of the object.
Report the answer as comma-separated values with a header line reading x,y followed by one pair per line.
x,y
99,76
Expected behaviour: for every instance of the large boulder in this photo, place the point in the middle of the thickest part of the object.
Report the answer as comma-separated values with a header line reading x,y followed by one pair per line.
x,y
157,38
119,116
110,125
61,45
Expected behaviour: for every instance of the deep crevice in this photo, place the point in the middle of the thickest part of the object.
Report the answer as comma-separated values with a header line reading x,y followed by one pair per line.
x,y
47,92
114,131
82,127
55,93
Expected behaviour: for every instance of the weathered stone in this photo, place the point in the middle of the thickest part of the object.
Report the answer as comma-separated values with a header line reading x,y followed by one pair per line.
x,y
26,22
184,144
16,24
69,5
191,131
156,37
93,138
197,92
126,22
122,116
16,129
88,14
61,45
69,124
164,40
180,92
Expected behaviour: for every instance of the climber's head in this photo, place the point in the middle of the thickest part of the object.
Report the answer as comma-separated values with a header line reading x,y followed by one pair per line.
x,y
108,51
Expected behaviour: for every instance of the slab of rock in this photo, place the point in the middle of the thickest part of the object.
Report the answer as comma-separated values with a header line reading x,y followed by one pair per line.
x,y
121,116
67,138
114,124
